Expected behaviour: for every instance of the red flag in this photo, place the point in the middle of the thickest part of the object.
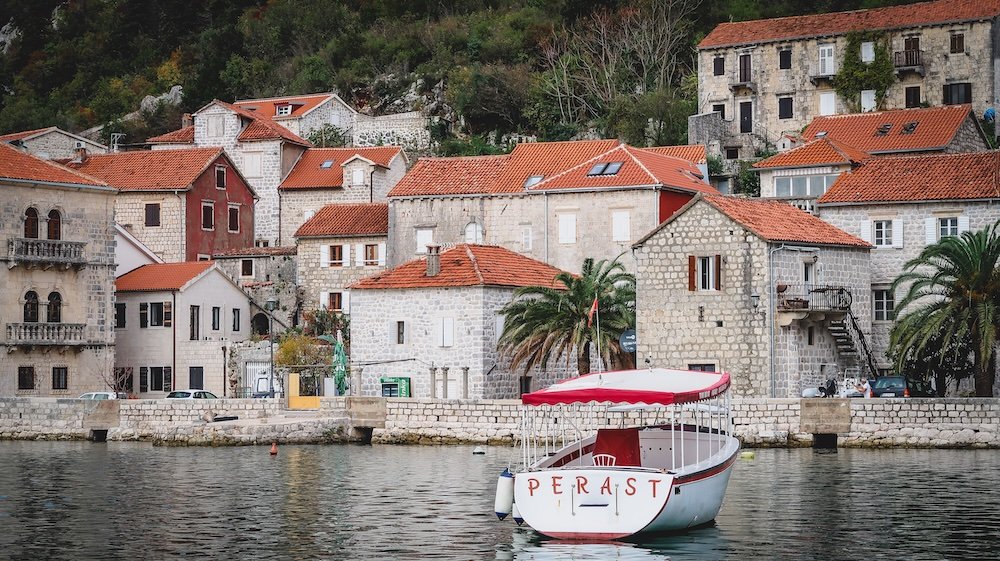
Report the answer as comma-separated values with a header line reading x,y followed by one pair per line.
x,y
590,315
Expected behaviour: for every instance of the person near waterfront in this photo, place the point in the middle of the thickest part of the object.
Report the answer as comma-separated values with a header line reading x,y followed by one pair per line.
x,y
864,387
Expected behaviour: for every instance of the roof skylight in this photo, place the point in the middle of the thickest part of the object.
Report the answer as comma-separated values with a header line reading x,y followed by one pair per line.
x,y
605,168
533,180
908,128
326,165
883,129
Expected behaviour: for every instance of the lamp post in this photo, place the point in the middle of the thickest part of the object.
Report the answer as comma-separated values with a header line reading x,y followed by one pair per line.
x,y
270,306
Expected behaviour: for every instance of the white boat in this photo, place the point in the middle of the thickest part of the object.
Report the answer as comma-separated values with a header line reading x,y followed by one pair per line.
x,y
664,468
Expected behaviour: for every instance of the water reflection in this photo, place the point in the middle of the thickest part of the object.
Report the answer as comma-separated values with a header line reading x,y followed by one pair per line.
x,y
134,501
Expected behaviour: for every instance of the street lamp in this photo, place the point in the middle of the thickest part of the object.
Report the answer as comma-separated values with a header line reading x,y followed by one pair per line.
x,y
270,306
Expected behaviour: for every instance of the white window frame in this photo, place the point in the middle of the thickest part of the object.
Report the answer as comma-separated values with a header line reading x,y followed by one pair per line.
x,y
947,226
358,177
867,52
201,219
827,59
621,225
474,233
425,237
283,110
704,279
935,225
868,101
252,268
215,126
526,238
883,304
882,232
567,228
827,103
225,178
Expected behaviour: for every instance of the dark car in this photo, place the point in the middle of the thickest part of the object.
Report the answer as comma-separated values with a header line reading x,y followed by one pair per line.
x,y
900,386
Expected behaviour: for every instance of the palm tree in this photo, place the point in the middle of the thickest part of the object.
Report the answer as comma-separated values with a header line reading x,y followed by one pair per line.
x,y
544,324
955,300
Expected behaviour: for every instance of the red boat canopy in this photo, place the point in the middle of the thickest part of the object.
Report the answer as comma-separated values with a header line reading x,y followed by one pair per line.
x,y
659,386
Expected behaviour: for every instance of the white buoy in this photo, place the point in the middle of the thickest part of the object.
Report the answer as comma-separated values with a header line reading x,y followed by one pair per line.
x,y
516,514
505,494
478,450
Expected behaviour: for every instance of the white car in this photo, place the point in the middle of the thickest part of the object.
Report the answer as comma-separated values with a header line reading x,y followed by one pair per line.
x,y
191,394
99,395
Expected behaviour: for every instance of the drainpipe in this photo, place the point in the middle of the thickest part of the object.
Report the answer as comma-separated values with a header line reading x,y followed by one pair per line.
x,y
173,328
545,197
371,185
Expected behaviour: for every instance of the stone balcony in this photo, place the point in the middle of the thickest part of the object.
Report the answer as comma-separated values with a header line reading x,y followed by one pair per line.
x,y
33,252
811,302
45,334
908,61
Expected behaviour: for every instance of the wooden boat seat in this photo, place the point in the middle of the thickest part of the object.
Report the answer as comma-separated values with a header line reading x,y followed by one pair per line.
x,y
621,444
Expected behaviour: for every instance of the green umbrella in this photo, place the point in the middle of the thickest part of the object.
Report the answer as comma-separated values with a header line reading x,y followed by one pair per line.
x,y
339,363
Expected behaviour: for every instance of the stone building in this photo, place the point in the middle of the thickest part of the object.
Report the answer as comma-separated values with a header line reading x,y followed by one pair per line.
x,y
339,246
182,204
266,274
759,80
337,175
175,323
557,202
261,149
434,320
802,175
304,114
902,205
51,143
57,275
760,289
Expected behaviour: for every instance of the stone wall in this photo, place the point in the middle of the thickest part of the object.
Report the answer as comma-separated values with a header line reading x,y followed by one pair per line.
x,y
315,279
57,145
274,276
409,130
168,240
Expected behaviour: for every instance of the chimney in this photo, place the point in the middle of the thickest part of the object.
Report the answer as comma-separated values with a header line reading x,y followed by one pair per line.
x,y
80,155
433,260
186,120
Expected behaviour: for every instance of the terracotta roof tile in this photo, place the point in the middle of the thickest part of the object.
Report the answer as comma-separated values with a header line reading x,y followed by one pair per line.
x,y
777,221
353,219
161,276
690,152
301,104
973,175
13,136
451,176
467,265
935,127
262,128
546,159
819,152
312,172
838,23
183,135
15,164
145,170
256,252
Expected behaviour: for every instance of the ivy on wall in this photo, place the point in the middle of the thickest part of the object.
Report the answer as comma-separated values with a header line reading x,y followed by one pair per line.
x,y
855,76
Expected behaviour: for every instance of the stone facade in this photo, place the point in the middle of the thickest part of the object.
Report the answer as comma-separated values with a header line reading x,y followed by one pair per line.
x,y
318,277
81,339
760,89
409,130
768,353
273,275
57,144
167,239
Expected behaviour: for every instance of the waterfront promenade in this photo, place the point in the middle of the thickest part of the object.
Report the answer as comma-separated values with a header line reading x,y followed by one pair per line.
x,y
918,423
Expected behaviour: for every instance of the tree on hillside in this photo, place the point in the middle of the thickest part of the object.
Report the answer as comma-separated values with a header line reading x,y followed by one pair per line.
x,y
953,300
544,324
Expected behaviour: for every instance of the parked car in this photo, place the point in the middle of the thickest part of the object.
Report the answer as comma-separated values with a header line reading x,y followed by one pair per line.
x,y
900,386
100,395
191,394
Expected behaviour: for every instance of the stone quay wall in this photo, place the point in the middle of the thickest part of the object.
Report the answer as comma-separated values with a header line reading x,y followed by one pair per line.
x,y
759,422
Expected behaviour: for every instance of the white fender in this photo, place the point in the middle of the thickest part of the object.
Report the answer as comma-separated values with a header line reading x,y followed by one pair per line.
x,y
504,500
516,514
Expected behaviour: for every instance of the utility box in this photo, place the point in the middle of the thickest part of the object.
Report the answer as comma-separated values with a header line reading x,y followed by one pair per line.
x,y
395,387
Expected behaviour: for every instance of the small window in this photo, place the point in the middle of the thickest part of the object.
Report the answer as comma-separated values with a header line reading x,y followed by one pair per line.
x,y
955,94
156,314
621,226
705,273
868,101
195,323
54,314
947,227
911,43
957,43
784,108
732,153
371,254
261,243
533,180
701,367
234,218
283,110
785,59
54,225
31,223
335,302
25,377
912,96
204,257
326,165
336,257
152,214
720,108
882,233
718,66
207,215
400,332
119,315
236,319
883,305
810,335
425,237
808,268
60,378
246,268
358,177
474,233
216,318
220,177
867,52
31,307
567,228
605,168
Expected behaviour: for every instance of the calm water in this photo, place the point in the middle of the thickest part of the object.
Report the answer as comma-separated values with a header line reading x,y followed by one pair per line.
x,y
134,501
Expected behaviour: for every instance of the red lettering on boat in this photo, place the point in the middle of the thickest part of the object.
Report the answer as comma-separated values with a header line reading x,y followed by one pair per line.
x,y
555,485
653,482
532,485
630,486
606,488
581,485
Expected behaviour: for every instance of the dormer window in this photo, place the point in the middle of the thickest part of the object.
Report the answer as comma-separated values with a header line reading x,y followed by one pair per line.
x,y
326,165
533,180
283,110
605,168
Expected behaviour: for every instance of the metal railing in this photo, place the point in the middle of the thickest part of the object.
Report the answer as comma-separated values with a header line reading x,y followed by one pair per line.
x,y
810,297
45,333
46,251
862,344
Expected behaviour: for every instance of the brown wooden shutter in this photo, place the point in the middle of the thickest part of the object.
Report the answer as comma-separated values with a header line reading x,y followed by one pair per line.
x,y
692,268
718,272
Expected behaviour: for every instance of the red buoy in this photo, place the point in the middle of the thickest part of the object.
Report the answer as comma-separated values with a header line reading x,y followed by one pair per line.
x,y
274,448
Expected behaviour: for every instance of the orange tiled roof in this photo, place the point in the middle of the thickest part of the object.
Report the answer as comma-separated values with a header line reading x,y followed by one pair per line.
x,y
546,159
13,136
310,173
467,265
301,104
262,128
183,135
838,23
638,167
819,152
690,152
256,252
777,221
18,165
935,128
353,219
161,276
467,175
974,175
150,170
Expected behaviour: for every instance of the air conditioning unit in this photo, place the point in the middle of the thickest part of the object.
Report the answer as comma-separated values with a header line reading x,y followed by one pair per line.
x,y
79,144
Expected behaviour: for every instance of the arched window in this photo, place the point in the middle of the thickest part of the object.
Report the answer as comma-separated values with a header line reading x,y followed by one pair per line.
x,y
473,233
31,223
31,307
55,307
55,225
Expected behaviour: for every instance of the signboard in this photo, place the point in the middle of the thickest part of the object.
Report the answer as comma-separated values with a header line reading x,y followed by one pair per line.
x,y
627,340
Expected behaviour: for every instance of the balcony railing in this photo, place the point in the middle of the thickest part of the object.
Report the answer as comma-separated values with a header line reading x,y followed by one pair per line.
x,y
812,298
58,252
45,334
912,59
